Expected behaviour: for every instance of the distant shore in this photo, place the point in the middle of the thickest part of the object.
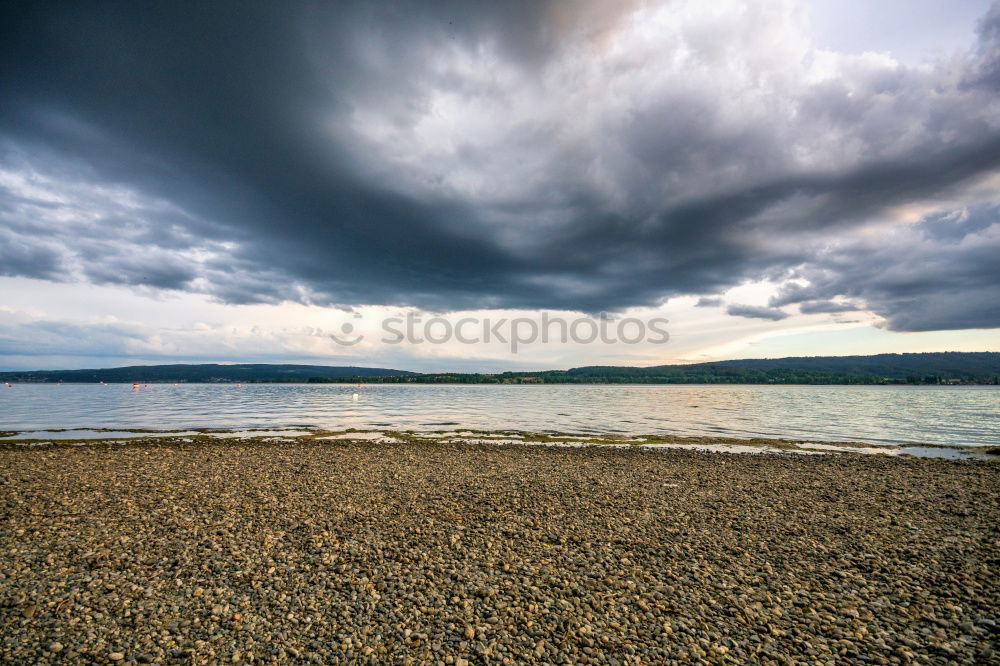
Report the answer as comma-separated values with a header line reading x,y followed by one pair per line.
x,y
931,368
346,551
435,380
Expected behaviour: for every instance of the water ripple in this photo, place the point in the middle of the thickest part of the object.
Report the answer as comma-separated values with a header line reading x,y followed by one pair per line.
x,y
876,414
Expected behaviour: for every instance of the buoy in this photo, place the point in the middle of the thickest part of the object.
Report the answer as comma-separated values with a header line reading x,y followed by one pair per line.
x,y
238,385
354,397
135,387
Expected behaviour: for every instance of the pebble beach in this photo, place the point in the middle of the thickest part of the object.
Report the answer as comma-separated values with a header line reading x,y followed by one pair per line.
x,y
344,552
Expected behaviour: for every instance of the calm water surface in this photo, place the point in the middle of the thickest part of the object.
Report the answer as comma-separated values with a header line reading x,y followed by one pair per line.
x,y
961,415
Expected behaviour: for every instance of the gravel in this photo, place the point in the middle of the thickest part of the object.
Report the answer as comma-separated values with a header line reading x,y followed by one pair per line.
x,y
359,552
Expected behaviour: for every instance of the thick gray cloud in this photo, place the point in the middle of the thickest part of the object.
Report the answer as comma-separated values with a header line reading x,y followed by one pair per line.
x,y
474,155
941,275
825,307
756,312
985,70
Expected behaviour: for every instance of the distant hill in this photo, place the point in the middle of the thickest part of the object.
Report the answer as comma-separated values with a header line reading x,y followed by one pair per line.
x,y
207,372
929,368
934,367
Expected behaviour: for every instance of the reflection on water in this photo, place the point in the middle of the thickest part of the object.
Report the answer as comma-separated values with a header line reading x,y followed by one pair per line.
x,y
967,415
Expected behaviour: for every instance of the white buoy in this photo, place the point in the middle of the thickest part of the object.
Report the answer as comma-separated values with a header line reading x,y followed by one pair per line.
x,y
354,397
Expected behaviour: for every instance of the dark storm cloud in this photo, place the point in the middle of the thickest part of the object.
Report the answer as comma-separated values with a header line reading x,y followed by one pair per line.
x,y
709,302
825,307
448,156
916,281
28,259
985,70
756,312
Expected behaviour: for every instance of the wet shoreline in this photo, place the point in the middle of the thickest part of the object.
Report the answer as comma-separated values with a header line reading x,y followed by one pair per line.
x,y
80,437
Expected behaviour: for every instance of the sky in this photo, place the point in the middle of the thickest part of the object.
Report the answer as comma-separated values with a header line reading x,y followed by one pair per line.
x,y
275,181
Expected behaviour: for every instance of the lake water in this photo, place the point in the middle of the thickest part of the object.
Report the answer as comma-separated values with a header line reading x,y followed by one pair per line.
x,y
960,415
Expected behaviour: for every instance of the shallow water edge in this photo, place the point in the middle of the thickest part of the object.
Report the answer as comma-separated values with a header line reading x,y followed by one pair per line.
x,y
752,446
